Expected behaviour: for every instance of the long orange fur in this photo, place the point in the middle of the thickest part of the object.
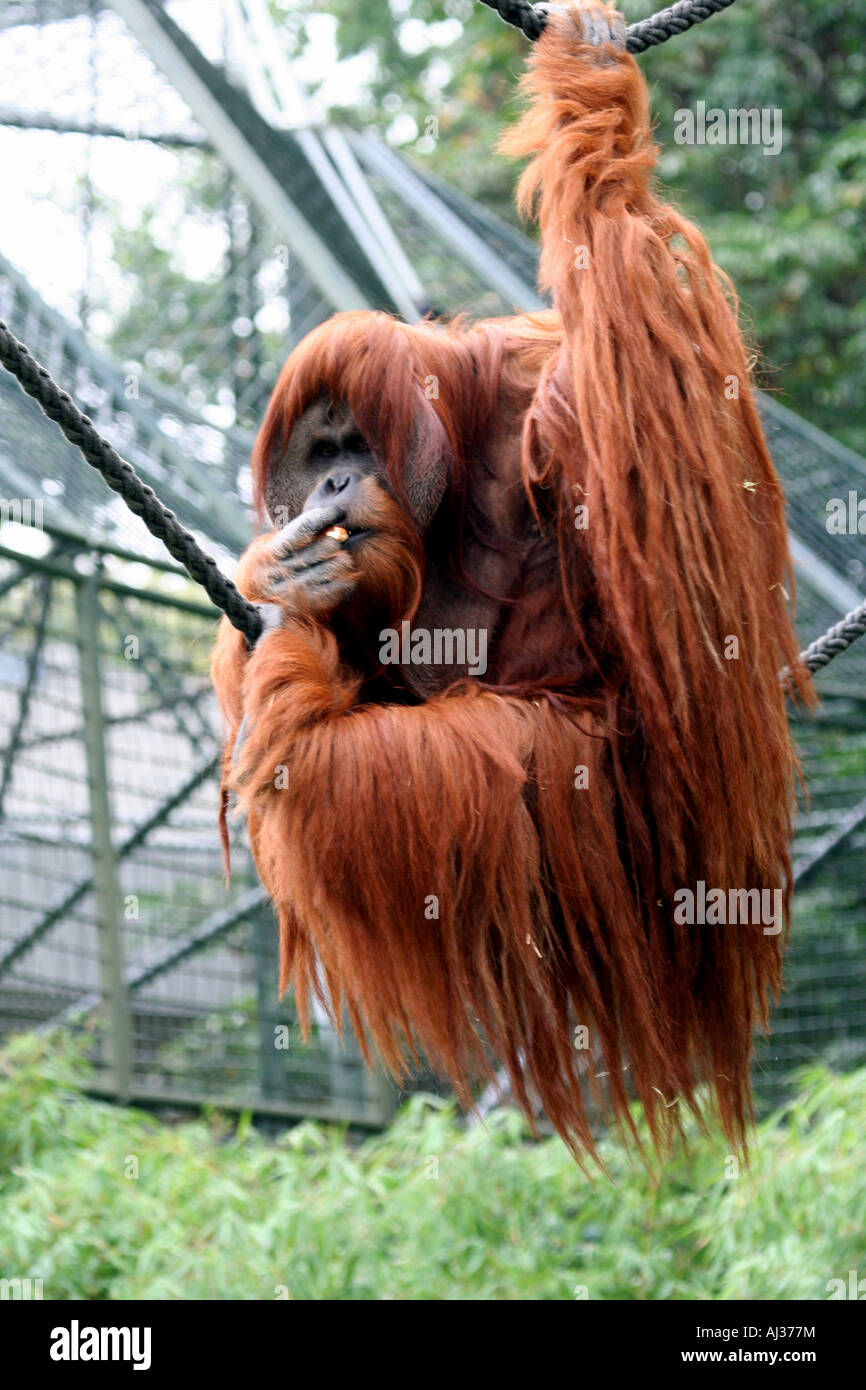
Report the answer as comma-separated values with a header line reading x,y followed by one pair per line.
x,y
555,904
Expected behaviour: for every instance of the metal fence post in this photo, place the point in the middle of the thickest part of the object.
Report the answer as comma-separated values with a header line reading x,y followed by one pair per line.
x,y
353,1085
380,1095
272,1062
108,901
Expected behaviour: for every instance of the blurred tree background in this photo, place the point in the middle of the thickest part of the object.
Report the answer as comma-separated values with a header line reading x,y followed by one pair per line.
x,y
431,1209
789,228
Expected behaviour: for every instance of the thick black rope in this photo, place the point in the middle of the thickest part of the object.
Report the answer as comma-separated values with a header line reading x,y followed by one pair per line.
x,y
532,19
122,477
162,523
641,36
142,500
835,640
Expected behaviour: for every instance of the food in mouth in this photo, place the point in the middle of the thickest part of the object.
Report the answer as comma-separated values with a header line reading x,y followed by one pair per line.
x,y
337,533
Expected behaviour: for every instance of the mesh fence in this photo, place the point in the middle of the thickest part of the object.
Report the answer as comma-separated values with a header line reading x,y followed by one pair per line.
x,y
124,926
168,316
104,693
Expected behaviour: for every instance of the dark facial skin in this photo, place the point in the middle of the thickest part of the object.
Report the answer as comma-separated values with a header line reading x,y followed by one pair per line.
x,y
329,476
336,527
324,465
326,446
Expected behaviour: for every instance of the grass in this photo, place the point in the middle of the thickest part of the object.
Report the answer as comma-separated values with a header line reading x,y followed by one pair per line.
x,y
108,1203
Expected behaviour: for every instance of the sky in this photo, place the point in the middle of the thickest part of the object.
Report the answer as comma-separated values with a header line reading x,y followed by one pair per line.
x,y
48,70
42,228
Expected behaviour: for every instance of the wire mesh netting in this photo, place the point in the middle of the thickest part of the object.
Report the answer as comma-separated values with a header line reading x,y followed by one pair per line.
x,y
163,287
94,677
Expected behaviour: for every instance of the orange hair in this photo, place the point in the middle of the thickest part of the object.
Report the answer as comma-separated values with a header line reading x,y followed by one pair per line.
x,y
644,648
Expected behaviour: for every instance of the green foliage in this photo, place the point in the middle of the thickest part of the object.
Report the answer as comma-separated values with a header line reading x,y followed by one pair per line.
x,y
789,228
453,60
428,1210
